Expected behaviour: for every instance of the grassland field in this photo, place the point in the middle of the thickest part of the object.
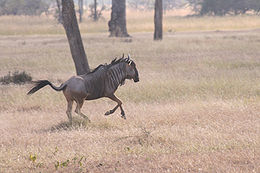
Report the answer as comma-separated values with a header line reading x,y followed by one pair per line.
x,y
195,109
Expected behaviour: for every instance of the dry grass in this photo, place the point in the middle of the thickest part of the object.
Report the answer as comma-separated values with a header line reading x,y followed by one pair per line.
x,y
195,109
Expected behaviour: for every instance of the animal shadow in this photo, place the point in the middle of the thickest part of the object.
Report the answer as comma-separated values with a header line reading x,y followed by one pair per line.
x,y
77,123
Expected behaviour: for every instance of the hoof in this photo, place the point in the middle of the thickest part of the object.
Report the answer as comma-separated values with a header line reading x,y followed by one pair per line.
x,y
88,120
109,112
123,116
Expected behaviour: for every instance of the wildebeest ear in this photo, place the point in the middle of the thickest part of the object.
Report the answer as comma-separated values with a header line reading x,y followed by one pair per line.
x,y
129,57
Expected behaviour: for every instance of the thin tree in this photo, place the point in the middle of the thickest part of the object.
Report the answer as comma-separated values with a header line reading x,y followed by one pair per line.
x,y
95,10
117,23
158,17
73,34
59,11
81,11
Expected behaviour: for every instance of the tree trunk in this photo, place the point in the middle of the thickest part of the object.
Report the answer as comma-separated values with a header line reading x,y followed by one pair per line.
x,y
80,10
117,23
73,34
158,17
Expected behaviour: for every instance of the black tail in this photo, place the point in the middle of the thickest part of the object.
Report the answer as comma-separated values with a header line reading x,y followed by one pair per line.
x,y
42,83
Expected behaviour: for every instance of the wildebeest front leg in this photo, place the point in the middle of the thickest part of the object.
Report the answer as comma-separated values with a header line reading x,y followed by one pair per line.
x,y
119,104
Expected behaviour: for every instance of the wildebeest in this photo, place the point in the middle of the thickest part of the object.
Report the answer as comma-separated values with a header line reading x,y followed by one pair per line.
x,y
103,81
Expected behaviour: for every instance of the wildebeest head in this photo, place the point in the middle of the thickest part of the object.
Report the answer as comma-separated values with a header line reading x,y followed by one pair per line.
x,y
131,70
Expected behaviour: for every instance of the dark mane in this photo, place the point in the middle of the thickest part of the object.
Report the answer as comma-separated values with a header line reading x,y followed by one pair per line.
x,y
92,71
116,61
113,62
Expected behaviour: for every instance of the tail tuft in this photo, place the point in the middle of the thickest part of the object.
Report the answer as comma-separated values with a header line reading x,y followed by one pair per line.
x,y
38,85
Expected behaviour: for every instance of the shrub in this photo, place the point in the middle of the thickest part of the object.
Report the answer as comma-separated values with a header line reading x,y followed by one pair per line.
x,y
16,78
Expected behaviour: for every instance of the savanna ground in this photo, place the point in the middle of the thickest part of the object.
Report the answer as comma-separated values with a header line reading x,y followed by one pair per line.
x,y
195,109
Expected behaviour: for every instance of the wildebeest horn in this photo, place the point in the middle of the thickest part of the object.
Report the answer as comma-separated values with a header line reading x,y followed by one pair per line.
x,y
123,55
129,56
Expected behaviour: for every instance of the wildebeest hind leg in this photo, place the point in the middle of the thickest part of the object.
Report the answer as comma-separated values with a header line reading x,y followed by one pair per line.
x,y
69,108
78,111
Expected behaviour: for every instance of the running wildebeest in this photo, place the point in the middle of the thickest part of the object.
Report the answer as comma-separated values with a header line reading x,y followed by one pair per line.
x,y
103,81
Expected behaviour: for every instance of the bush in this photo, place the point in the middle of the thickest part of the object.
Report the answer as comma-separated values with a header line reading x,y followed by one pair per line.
x,y
16,78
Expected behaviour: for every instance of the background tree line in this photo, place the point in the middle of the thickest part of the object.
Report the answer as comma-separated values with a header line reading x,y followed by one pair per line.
x,y
37,7
224,7
200,7
24,7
